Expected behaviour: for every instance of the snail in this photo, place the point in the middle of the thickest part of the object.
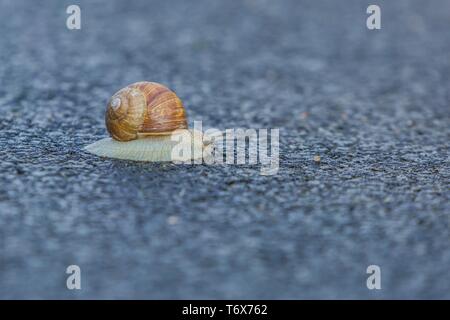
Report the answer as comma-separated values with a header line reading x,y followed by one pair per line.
x,y
147,122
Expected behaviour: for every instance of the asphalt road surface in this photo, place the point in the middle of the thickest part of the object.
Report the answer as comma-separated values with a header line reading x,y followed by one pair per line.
x,y
373,104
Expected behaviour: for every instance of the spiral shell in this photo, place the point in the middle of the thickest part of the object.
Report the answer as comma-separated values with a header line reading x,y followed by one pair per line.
x,y
144,109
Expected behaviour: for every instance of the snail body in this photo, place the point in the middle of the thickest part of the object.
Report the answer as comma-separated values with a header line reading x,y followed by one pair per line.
x,y
146,121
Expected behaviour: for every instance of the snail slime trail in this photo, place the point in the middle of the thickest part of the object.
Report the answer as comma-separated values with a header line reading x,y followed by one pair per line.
x,y
144,119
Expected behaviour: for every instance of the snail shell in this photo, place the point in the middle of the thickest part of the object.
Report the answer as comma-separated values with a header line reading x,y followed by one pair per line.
x,y
144,109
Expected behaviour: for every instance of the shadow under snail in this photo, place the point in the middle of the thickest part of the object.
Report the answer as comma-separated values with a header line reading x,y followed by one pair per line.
x,y
146,121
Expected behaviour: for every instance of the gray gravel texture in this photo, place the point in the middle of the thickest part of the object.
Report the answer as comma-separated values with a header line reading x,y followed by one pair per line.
x,y
373,104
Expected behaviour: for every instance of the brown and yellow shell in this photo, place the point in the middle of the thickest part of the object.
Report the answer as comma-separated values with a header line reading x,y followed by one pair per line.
x,y
144,109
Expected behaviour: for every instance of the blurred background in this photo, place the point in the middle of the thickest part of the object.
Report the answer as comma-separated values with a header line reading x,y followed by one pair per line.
x,y
373,104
